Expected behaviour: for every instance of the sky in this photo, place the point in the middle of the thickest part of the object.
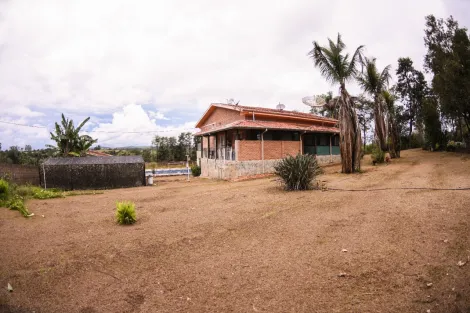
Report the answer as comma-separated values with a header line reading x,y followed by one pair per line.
x,y
142,68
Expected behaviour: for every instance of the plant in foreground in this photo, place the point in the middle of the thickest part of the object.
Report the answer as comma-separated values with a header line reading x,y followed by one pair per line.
x,y
125,213
4,188
17,204
297,173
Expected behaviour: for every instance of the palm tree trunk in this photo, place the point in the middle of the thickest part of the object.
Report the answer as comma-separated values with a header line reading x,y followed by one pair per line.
x,y
380,125
350,135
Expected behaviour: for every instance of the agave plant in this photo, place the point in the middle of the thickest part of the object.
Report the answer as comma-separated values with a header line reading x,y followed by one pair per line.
x,y
339,67
299,172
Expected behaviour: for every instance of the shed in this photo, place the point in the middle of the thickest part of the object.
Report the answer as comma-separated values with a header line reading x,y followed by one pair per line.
x,y
93,172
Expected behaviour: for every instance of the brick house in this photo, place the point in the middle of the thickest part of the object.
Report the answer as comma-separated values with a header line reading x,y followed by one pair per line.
x,y
236,141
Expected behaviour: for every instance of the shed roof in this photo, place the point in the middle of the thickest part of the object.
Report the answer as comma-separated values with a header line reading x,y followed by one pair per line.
x,y
95,160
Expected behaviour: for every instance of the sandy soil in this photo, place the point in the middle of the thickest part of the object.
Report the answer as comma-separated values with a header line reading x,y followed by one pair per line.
x,y
209,246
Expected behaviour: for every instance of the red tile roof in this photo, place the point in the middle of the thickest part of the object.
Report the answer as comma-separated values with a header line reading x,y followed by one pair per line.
x,y
243,108
97,153
270,125
246,110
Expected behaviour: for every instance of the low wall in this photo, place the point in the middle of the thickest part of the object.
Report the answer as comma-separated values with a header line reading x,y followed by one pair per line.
x,y
228,170
20,174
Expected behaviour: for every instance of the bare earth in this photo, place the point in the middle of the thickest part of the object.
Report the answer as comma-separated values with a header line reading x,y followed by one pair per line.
x,y
211,246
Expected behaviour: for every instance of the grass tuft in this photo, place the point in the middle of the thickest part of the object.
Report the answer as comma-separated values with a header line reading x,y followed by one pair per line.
x,y
125,213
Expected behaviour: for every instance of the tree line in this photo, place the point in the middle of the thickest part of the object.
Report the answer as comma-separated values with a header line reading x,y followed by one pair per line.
x,y
411,113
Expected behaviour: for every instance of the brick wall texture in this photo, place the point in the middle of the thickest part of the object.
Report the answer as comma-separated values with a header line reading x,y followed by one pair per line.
x,y
251,149
221,116
20,174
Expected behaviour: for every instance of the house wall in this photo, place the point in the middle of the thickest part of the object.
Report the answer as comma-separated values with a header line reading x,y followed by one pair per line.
x,y
221,116
252,149
229,170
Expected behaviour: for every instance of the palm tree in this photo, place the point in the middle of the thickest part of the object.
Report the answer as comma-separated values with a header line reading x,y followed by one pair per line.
x,y
67,137
374,83
339,67
393,133
84,144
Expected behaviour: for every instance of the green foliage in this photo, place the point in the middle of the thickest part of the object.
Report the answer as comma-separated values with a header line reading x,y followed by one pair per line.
x,y
39,193
68,139
448,59
297,173
432,132
125,213
4,189
378,156
174,149
370,148
451,146
196,170
411,89
17,204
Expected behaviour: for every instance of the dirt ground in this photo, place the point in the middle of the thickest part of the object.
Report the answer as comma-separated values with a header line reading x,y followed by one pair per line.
x,y
248,246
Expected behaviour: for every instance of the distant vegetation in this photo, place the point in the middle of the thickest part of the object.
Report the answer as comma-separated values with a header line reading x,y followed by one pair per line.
x,y
411,114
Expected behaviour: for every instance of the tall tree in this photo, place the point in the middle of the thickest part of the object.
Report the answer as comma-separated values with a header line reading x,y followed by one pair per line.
x,y
365,116
432,123
374,83
339,67
448,59
412,90
393,127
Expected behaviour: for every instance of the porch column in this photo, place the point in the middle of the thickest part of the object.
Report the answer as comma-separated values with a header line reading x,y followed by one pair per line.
x,y
209,146
216,151
331,151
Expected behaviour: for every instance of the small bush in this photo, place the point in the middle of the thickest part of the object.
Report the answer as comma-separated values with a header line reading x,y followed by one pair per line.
x,y
297,173
39,193
125,213
378,156
451,146
4,189
196,170
17,204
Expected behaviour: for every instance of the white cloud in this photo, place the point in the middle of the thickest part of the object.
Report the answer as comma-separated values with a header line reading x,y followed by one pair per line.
x,y
132,126
93,58
16,135
157,115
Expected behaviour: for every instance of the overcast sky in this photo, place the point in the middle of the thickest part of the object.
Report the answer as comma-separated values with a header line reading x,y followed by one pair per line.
x,y
157,65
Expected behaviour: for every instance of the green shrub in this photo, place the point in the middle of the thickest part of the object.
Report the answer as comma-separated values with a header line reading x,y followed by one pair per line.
x,y
196,170
369,148
297,173
17,204
39,193
451,146
378,156
4,189
125,213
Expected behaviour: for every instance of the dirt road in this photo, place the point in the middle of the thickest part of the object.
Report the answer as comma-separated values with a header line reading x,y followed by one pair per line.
x,y
208,246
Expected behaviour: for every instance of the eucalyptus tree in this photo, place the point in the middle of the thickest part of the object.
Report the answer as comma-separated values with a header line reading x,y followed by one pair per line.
x,y
374,83
338,67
